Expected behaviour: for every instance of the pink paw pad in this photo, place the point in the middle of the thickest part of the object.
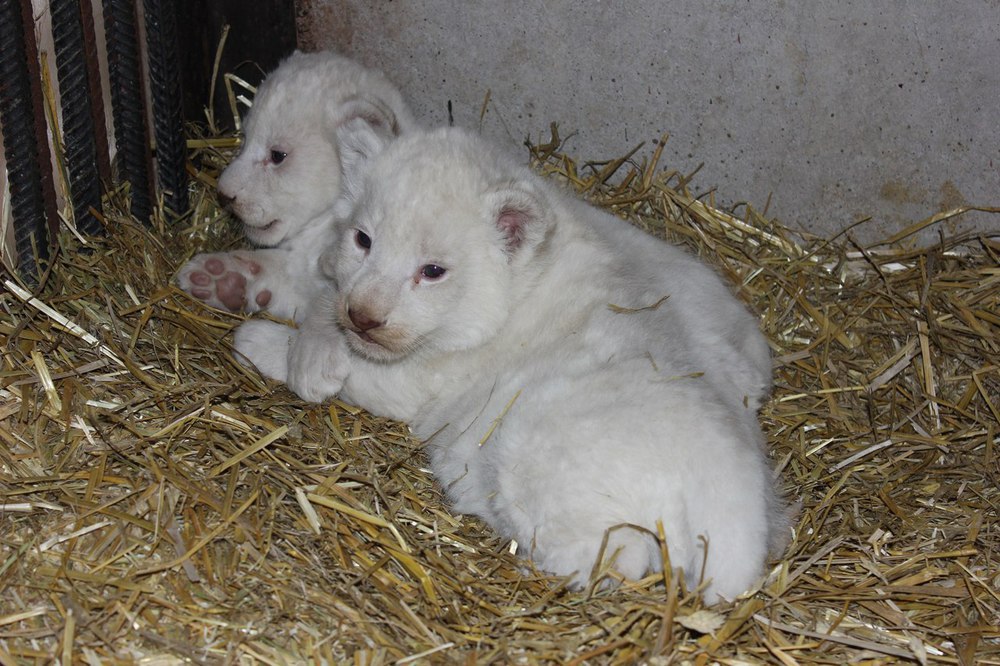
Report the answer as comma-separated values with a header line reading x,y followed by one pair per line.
x,y
215,266
231,288
223,280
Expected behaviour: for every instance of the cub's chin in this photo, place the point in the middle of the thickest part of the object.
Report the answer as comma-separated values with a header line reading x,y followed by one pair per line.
x,y
267,235
376,347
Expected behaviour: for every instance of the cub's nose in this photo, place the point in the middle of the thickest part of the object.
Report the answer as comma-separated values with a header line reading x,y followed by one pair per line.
x,y
224,199
362,320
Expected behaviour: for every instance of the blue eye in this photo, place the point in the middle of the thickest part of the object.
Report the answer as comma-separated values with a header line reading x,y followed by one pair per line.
x,y
432,271
277,156
363,240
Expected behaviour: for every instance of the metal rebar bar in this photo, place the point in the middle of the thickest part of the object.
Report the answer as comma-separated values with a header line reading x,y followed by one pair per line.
x,y
29,171
165,86
128,104
77,120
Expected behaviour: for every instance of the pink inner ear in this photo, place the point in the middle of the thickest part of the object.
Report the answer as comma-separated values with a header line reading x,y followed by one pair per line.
x,y
371,117
371,112
512,222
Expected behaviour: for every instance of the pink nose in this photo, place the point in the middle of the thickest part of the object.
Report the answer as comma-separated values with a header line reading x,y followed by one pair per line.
x,y
362,320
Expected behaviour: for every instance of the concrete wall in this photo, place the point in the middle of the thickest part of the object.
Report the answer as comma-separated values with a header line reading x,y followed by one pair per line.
x,y
837,111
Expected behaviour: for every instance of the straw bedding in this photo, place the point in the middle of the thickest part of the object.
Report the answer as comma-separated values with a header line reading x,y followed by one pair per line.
x,y
160,504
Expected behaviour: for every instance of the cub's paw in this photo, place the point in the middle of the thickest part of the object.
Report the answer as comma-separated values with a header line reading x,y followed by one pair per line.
x,y
317,365
265,345
228,281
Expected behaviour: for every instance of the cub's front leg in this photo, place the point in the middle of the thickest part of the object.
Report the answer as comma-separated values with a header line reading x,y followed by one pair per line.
x,y
317,364
318,359
265,345
313,360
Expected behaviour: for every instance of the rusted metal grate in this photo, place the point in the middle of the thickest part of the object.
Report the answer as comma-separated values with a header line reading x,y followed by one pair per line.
x,y
141,61
32,192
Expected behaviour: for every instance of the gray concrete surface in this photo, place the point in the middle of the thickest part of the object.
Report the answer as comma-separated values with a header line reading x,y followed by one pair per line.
x,y
836,111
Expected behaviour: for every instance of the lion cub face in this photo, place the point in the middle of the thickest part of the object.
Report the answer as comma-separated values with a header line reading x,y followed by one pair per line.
x,y
289,169
427,259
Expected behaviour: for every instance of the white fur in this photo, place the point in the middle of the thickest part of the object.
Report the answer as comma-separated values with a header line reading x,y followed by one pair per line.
x,y
306,109
558,400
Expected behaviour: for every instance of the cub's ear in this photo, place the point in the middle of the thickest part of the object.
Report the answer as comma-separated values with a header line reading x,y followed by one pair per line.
x,y
371,110
363,130
522,217
358,142
362,126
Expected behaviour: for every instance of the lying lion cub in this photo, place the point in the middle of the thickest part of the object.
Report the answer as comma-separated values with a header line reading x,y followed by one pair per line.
x,y
574,378
287,176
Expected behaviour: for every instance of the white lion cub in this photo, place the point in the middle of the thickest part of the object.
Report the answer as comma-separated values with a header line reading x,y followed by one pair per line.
x,y
573,377
286,177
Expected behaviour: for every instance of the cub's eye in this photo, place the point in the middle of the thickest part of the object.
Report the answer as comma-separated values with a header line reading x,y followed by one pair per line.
x,y
363,240
278,156
432,271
